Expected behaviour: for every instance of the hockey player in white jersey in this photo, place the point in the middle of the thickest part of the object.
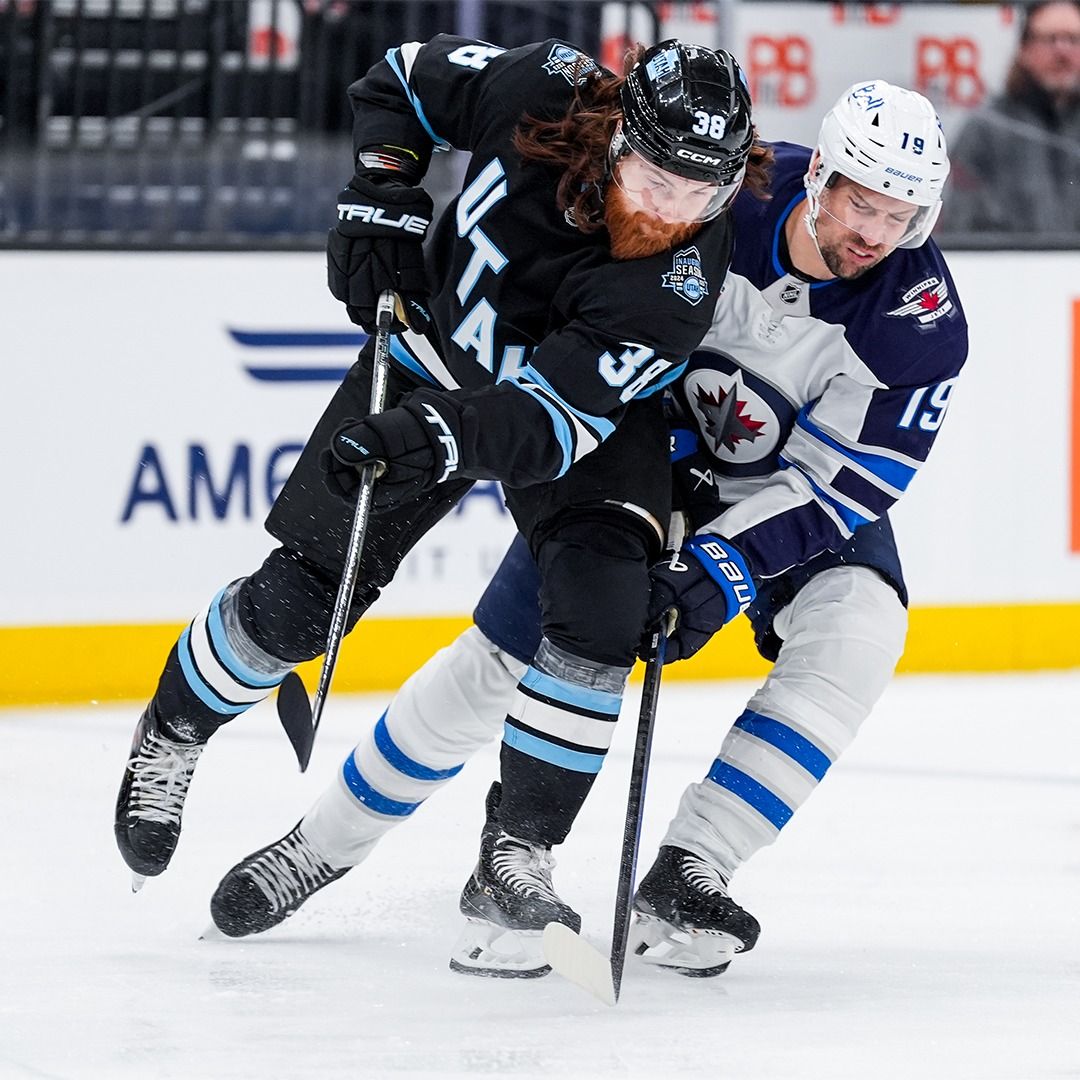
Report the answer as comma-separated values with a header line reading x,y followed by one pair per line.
x,y
811,404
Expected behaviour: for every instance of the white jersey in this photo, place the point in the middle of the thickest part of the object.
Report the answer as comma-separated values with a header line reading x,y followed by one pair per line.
x,y
811,405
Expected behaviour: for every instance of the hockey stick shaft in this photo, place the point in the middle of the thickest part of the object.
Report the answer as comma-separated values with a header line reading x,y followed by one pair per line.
x,y
380,372
635,803
300,721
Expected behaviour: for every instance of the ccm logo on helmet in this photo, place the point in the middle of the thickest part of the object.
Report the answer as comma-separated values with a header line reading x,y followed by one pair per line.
x,y
411,223
697,157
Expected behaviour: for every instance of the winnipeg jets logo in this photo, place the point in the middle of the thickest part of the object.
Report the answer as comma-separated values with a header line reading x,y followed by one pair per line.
x,y
727,421
569,63
686,277
736,423
926,303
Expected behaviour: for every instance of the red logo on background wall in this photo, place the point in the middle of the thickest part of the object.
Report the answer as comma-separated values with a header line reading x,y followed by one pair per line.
x,y
869,14
947,69
780,70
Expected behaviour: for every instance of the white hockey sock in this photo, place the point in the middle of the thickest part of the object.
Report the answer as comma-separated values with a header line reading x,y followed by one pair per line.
x,y
440,717
843,635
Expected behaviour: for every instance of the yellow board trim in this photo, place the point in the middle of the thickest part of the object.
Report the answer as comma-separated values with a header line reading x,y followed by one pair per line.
x,y
66,665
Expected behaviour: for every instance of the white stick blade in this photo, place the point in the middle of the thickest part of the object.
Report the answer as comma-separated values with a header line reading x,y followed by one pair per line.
x,y
575,959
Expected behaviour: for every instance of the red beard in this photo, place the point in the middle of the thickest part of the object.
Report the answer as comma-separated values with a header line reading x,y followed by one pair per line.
x,y
636,234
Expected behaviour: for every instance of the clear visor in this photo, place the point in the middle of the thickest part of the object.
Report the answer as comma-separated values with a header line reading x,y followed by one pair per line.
x,y
879,220
665,195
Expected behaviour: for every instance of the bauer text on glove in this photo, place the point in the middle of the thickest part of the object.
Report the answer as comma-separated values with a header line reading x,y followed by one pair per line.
x,y
708,582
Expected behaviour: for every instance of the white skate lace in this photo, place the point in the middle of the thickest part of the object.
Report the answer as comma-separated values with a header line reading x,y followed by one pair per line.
x,y
703,876
288,871
525,868
161,773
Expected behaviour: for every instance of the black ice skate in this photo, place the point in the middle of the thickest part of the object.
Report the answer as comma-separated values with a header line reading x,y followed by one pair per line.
x,y
270,885
507,903
686,921
152,793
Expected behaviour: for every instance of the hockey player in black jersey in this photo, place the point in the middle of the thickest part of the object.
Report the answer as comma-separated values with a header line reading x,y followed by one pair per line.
x,y
564,287
810,405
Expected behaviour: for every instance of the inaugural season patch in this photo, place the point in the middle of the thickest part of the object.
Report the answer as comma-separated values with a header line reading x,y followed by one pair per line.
x,y
686,277
926,303
564,61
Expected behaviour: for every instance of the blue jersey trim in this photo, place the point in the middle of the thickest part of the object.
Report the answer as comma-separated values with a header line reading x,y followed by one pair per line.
x,y
893,473
601,426
235,666
584,697
778,268
200,687
367,795
530,745
797,747
773,809
666,381
414,101
849,517
401,761
406,359
564,434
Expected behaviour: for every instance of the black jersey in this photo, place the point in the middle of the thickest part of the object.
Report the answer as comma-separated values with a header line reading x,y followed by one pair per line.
x,y
540,336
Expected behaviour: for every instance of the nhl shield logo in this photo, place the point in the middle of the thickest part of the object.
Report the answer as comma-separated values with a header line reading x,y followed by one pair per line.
x,y
686,278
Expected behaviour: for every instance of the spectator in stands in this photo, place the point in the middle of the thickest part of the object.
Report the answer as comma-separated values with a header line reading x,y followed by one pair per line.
x,y
1016,163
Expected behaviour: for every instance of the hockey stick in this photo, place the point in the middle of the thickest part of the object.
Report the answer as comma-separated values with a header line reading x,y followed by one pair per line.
x,y
569,953
300,721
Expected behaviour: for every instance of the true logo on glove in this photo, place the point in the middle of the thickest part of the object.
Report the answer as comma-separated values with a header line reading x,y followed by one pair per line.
x,y
374,215
354,444
446,440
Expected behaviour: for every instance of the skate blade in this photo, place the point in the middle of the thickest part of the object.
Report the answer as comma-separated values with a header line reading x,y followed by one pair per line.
x,y
137,881
575,959
496,952
696,953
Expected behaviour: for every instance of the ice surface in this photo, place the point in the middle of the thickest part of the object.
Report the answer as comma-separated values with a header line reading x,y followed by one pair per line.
x,y
919,914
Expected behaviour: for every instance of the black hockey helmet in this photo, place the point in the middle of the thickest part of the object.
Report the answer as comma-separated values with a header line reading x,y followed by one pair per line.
x,y
687,110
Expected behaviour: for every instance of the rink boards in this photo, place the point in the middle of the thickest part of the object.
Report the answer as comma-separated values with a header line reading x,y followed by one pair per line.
x,y
150,422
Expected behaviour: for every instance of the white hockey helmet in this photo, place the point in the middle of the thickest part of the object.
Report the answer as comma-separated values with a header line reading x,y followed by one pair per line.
x,y
889,140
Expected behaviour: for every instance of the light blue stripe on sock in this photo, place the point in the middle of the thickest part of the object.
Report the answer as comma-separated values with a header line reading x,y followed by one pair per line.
x,y
552,753
232,663
366,794
205,693
402,762
569,693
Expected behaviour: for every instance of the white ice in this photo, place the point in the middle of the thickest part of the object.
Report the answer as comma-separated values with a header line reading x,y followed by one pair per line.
x,y
920,914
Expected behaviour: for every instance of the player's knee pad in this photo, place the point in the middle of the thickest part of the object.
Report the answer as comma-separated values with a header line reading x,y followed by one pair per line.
x,y
285,607
842,637
595,586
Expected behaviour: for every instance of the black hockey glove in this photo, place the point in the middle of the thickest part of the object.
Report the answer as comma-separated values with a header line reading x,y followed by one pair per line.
x,y
708,582
414,441
376,245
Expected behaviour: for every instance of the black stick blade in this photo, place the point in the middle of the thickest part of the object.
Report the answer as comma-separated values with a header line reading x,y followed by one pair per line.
x,y
294,712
